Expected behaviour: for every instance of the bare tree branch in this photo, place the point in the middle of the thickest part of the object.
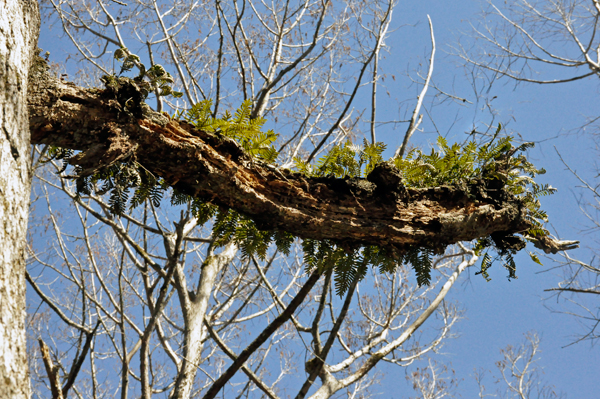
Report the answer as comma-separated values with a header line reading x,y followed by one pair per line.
x,y
416,118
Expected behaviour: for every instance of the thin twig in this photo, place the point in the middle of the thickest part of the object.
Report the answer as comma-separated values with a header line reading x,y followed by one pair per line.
x,y
416,119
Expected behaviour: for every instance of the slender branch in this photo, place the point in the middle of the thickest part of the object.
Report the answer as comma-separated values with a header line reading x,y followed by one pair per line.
x,y
253,377
263,336
77,363
51,370
159,306
316,365
274,295
174,57
348,102
579,290
52,305
317,319
416,119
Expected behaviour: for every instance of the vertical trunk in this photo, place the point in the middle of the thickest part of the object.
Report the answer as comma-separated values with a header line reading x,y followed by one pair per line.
x,y
19,27
194,310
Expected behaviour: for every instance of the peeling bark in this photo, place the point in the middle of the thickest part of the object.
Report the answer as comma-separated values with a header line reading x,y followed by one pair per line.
x,y
373,211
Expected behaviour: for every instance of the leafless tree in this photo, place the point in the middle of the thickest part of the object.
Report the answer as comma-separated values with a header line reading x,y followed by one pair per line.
x,y
104,278
434,381
150,303
541,42
580,288
520,375
549,42
525,41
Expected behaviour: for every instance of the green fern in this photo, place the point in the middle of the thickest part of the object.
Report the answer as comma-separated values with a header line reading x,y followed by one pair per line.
x,y
149,189
240,127
203,211
344,160
486,263
349,268
283,241
58,153
179,198
420,260
252,241
497,162
511,266
378,257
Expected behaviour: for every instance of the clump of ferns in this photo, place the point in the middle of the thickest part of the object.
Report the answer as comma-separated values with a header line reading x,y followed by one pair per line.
x,y
497,163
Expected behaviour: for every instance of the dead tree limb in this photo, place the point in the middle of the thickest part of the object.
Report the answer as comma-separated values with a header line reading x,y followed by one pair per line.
x,y
351,212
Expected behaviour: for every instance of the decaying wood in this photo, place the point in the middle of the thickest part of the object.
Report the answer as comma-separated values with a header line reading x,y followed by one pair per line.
x,y
377,210
51,370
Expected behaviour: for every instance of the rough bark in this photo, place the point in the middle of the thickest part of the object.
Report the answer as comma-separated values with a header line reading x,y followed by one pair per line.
x,y
377,210
19,27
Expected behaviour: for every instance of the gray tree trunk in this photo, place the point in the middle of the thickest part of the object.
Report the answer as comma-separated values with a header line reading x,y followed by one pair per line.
x,y
19,28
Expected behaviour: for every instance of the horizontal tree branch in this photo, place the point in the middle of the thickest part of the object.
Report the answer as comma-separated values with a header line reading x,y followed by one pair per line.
x,y
352,212
578,290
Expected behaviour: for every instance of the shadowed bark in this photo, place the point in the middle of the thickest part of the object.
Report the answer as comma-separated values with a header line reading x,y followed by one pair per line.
x,y
378,210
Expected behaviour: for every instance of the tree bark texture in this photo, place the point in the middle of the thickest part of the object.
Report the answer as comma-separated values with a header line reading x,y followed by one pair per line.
x,y
19,28
352,212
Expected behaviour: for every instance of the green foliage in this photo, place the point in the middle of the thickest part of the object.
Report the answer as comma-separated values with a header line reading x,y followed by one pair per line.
x,y
118,179
240,127
379,258
203,211
150,189
347,160
450,165
325,255
420,259
496,163
486,263
510,265
535,258
63,154
347,265
459,164
349,268
252,241
154,79
283,241
508,262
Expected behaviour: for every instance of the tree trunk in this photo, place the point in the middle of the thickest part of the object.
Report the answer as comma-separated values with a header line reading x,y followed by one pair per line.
x,y
194,310
19,28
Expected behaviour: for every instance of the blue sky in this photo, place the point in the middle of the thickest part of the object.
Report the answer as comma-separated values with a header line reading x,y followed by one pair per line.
x,y
500,312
